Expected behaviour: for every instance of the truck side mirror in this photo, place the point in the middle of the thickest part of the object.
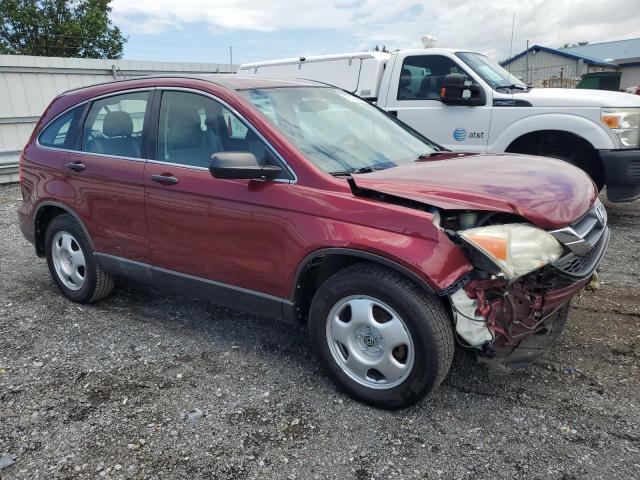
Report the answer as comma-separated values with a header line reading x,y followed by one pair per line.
x,y
454,91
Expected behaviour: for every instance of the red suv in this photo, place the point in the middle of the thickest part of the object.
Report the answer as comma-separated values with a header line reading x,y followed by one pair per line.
x,y
299,201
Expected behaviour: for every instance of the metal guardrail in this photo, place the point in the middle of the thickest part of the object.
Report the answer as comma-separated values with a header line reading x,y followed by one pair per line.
x,y
28,83
9,166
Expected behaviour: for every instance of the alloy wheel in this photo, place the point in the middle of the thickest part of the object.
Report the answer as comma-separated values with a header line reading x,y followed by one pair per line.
x,y
370,342
68,260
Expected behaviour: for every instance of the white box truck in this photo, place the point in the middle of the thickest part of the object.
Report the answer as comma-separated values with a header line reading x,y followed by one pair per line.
x,y
464,101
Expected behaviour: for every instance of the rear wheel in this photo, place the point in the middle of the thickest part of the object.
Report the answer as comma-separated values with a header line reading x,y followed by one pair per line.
x,y
72,264
379,336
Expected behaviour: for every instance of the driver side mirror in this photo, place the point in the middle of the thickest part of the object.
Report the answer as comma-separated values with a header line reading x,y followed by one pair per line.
x,y
241,165
454,91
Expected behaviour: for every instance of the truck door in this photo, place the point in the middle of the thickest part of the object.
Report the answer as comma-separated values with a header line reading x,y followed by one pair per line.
x,y
414,96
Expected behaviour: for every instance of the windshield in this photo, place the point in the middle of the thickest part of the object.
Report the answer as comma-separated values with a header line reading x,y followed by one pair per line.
x,y
338,132
490,71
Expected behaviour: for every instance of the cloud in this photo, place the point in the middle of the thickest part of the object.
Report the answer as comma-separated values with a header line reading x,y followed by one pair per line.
x,y
477,25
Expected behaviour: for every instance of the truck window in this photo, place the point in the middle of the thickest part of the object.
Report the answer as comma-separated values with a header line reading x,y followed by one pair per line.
x,y
422,76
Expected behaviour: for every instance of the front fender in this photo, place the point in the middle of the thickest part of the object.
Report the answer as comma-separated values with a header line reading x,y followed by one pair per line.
x,y
599,136
432,263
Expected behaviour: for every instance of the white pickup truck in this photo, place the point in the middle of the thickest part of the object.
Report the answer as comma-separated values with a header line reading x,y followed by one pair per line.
x,y
464,101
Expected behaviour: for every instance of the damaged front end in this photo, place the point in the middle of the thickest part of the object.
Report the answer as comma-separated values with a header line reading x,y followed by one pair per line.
x,y
512,319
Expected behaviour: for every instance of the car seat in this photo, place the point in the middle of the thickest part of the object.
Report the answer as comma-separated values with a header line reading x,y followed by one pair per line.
x,y
404,92
117,136
186,141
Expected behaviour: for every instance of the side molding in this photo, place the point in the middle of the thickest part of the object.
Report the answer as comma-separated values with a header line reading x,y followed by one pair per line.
x,y
181,283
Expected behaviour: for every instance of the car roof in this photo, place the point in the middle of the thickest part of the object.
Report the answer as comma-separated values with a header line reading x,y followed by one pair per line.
x,y
228,81
245,82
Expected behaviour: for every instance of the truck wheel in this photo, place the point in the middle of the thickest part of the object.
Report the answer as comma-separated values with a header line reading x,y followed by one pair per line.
x,y
379,336
72,264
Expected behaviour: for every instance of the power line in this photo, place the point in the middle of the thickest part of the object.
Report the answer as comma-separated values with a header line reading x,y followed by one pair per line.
x,y
156,42
152,52
85,47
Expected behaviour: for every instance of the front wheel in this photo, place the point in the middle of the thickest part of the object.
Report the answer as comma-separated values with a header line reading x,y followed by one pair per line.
x,y
379,336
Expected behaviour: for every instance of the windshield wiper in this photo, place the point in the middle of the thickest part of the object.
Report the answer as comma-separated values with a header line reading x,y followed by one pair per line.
x,y
339,173
427,155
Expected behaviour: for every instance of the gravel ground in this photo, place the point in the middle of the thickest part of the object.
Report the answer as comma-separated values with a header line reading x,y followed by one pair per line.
x,y
149,385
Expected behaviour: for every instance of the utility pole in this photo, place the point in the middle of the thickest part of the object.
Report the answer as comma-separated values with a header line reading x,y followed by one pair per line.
x,y
513,24
230,59
526,72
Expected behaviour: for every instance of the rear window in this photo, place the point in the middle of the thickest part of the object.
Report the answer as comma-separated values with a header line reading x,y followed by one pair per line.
x,y
56,134
114,125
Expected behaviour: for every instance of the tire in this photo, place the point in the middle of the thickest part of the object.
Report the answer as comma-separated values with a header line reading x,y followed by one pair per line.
x,y
379,336
72,264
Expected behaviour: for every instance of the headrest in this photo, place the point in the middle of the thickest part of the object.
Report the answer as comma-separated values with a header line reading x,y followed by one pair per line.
x,y
184,124
405,78
430,83
117,124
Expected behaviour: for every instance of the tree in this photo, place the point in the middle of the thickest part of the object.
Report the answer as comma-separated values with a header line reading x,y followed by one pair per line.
x,y
59,28
378,49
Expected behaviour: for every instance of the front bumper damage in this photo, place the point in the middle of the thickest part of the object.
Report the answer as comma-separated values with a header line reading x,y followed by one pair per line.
x,y
512,323
524,318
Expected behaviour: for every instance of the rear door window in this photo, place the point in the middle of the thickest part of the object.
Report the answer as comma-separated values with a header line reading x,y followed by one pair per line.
x,y
58,133
114,125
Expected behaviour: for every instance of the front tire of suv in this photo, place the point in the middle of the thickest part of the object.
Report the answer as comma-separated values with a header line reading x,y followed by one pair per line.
x,y
379,336
72,264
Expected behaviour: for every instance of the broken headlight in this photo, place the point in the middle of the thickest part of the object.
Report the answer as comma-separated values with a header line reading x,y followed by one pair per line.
x,y
516,248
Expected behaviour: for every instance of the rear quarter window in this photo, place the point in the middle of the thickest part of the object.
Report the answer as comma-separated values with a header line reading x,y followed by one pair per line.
x,y
58,134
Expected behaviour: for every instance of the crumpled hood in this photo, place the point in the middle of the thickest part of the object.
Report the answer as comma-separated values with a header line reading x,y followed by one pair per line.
x,y
549,193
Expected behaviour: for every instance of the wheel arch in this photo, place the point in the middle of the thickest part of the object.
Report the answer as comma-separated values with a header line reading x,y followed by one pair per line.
x,y
45,213
547,131
584,128
320,264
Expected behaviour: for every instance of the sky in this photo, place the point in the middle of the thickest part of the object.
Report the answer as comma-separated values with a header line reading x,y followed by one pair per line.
x,y
203,30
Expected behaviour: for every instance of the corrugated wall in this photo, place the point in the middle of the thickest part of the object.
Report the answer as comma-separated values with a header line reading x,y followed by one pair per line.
x,y
28,84
544,66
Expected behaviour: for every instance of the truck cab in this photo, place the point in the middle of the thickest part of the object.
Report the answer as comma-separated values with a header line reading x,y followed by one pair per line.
x,y
466,102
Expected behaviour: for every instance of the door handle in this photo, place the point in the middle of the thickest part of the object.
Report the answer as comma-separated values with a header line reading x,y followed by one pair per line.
x,y
75,166
393,112
165,179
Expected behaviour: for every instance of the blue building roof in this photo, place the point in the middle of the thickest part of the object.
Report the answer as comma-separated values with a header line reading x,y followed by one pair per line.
x,y
617,50
588,59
